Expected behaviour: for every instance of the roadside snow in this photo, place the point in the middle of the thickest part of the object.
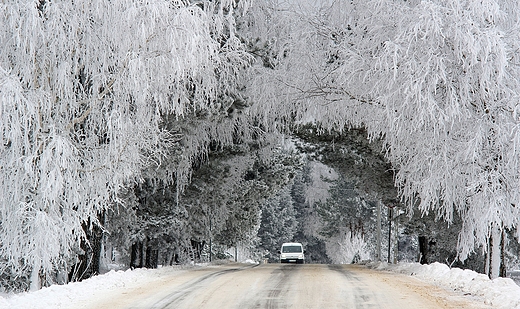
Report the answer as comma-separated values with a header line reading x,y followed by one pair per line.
x,y
501,293
74,294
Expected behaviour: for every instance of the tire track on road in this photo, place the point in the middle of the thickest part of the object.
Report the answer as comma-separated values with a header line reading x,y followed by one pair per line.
x,y
363,297
188,288
274,295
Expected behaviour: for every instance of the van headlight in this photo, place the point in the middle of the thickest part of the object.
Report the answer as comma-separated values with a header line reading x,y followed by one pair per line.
x,y
283,256
300,256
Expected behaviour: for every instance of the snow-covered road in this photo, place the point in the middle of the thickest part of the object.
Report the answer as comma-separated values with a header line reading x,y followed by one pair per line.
x,y
284,286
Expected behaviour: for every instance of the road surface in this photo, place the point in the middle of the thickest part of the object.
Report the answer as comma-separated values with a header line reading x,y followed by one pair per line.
x,y
287,286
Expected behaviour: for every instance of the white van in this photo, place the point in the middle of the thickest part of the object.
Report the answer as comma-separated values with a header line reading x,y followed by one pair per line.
x,y
292,252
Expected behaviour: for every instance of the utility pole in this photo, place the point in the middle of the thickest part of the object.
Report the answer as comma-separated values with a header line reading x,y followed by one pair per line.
x,y
396,235
390,214
210,237
378,236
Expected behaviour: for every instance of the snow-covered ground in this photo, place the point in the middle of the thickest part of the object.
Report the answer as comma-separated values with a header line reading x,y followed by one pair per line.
x,y
498,293
501,293
79,294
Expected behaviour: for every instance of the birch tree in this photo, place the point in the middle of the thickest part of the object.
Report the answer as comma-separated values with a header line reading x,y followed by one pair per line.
x,y
436,80
84,88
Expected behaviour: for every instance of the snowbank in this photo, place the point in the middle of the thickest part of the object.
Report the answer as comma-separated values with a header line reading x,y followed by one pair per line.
x,y
73,294
501,293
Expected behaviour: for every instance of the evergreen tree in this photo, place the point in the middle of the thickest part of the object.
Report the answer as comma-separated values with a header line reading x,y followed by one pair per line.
x,y
271,172
437,242
278,223
305,198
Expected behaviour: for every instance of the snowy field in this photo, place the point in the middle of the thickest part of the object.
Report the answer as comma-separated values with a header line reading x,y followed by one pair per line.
x,y
498,293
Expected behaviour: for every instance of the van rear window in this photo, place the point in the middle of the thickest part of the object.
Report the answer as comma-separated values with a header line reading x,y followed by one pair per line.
x,y
291,249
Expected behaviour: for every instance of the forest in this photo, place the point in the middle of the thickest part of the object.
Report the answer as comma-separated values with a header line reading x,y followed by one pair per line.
x,y
162,132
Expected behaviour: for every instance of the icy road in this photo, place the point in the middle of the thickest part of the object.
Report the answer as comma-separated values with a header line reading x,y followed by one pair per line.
x,y
285,286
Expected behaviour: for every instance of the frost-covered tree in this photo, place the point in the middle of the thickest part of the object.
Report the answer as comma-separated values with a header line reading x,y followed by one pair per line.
x,y
365,178
210,197
84,91
273,169
437,80
351,154
304,197
160,229
278,223
342,211
348,223
437,241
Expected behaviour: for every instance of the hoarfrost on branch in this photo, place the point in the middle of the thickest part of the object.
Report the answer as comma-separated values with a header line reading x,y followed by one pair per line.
x,y
84,89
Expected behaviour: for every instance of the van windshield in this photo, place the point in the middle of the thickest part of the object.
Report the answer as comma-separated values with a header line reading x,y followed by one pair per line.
x,y
291,249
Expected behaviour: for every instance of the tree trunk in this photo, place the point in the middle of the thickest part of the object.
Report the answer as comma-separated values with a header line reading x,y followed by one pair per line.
x,y
133,255
152,257
488,254
169,258
148,259
503,268
89,261
423,249
35,278
496,258
96,246
136,255
141,254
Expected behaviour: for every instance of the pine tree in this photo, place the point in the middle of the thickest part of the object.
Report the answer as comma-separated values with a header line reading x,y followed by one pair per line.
x,y
307,231
278,223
